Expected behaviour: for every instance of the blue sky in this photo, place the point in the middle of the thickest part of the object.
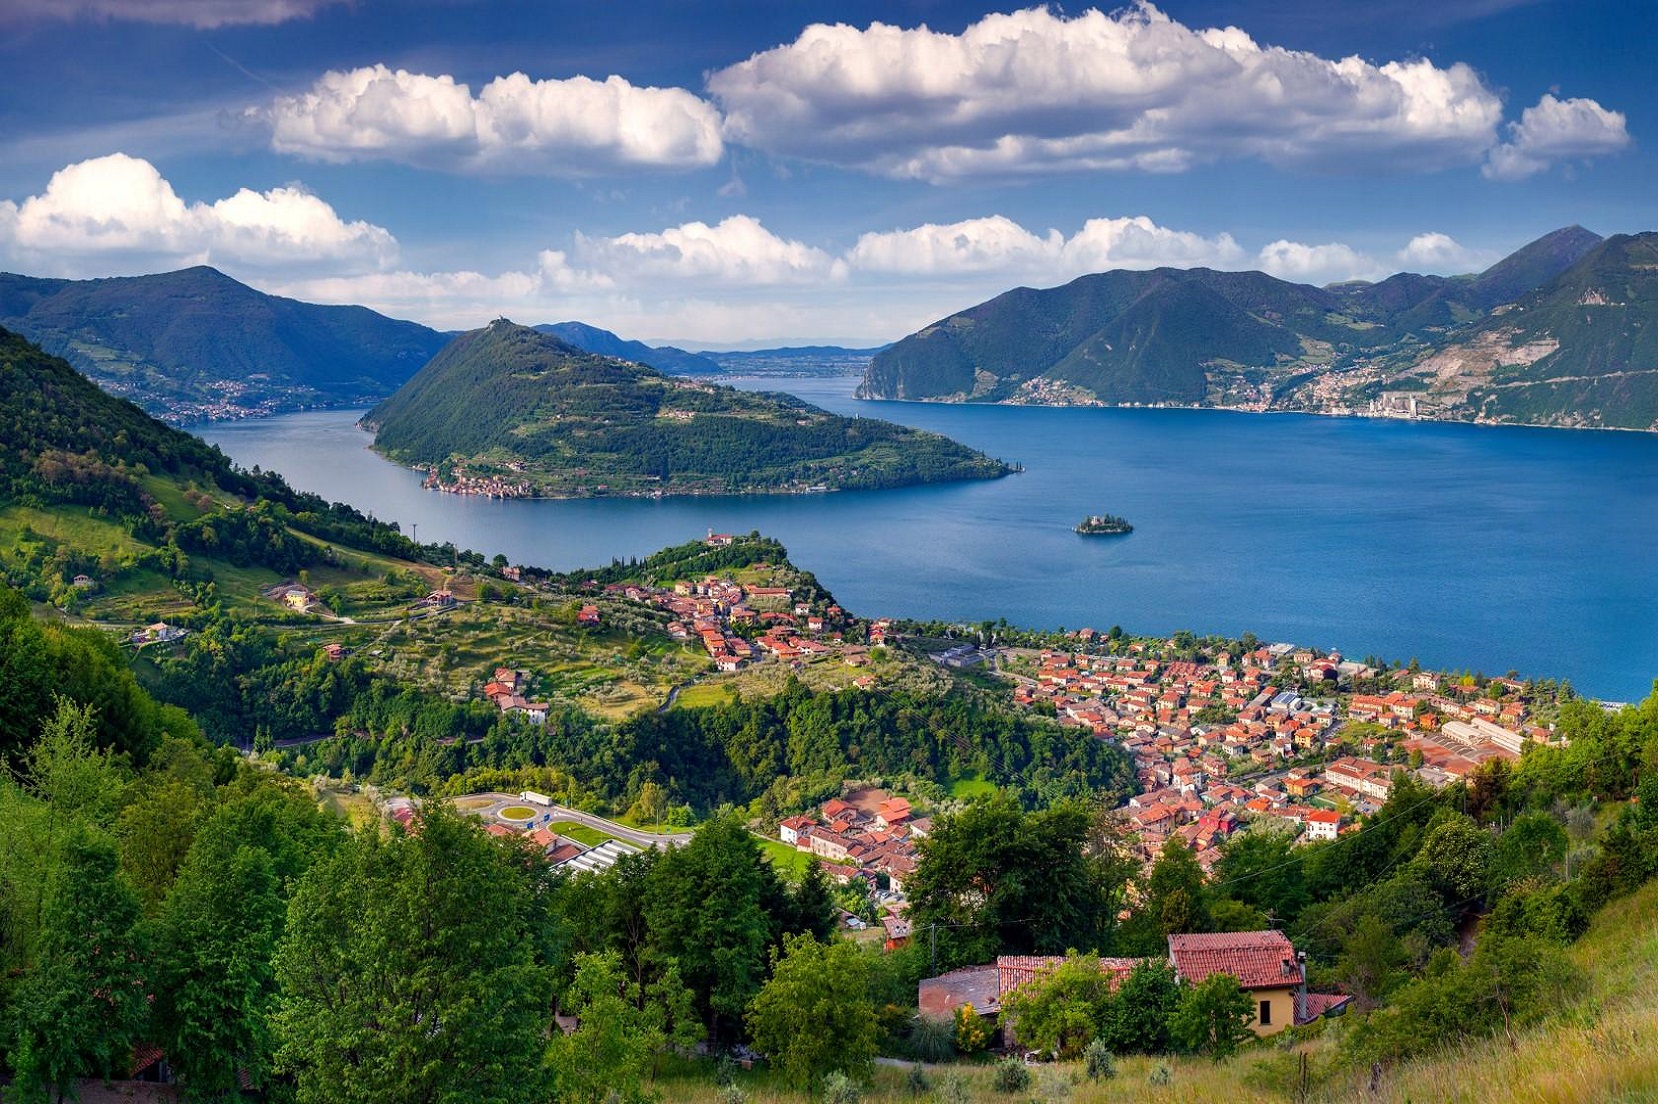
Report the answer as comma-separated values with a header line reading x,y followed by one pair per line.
x,y
752,173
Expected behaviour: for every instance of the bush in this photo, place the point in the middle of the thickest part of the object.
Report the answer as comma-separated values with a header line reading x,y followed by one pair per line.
x,y
1097,1061
916,1080
1011,1076
840,1089
970,1033
931,1040
1162,1075
952,1091
730,1094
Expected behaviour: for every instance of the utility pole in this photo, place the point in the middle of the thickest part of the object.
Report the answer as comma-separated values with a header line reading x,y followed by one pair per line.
x,y
933,929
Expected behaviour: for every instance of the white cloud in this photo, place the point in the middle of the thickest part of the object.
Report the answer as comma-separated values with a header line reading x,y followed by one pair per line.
x,y
1033,91
1328,263
574,127
1556,130
738,251
1441,253
119,214
192,13
999,245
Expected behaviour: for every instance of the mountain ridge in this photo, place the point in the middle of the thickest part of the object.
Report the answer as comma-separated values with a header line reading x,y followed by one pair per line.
x,y
512,411
196,344
1248,340
664,358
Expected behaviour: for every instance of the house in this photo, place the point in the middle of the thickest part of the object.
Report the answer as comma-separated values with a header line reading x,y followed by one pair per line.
x,y
1323,824
1266,965
790,830
334,652
441,599
588,616
891,812
83,582
297,597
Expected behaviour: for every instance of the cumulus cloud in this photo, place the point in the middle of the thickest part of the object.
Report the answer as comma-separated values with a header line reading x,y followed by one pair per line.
x,y
119,214
1330,262
573,127
1556,130
191,13
999,245
738,251
1033,91
1436,252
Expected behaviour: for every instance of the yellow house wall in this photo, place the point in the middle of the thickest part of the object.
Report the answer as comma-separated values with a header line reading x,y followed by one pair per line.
x,y
1283,1010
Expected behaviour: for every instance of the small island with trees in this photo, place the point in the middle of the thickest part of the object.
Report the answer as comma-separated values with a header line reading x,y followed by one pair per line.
x,y
1104,525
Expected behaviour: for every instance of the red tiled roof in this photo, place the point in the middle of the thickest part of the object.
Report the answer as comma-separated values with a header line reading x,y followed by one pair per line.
x,y
1259,960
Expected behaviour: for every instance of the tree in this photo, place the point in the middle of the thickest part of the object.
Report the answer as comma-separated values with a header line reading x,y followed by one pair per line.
x,y
815,910
215,976
1213,1017
1175,901
814,1015
994,879
1137,1020
653,802
1060,1010
1533,845
408,971
617,1033
81,1006
1454,858
702,908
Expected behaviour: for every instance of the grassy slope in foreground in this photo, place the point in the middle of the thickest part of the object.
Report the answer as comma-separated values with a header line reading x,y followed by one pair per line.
x,y
511,410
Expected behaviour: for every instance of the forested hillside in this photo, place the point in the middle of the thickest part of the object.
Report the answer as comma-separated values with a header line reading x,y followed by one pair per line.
x,y
508,410
197,344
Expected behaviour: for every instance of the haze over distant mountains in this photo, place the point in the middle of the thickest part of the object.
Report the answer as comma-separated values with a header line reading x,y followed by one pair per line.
x,y
1559,333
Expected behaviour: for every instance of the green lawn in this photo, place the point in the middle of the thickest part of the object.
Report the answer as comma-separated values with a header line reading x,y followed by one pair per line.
x,y
968,788
581,833
790,863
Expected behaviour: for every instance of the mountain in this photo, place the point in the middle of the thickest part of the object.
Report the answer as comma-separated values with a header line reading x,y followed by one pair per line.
x,y
1202,337
197,344
1580,351
509,410
796,361
664,358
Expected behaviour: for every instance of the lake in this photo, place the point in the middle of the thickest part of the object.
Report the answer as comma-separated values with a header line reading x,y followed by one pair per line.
x,y
1486,548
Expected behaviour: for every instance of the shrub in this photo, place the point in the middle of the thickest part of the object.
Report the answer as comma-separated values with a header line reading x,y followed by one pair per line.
x,y
970,1034
931,1040
840,1089
1097,1061
952,1091
1011,1076
1162,1075
916,1080
730,1094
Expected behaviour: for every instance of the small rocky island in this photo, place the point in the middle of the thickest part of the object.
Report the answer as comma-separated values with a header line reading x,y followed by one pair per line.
x,y
1104,525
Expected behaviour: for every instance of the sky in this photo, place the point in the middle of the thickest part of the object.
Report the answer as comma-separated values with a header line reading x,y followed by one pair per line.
x,y
763,172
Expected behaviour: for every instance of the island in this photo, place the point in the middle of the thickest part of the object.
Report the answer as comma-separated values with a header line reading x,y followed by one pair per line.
x,y
1104,525
510,412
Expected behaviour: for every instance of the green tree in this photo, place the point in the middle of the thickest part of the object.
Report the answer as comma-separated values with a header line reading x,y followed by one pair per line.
x,y
702,908
993,879
1061,1009
1535,844
1137,1019
1454,858
81,1006
214,946
1175,901
617,1034
1213,1017
814,1015
408,972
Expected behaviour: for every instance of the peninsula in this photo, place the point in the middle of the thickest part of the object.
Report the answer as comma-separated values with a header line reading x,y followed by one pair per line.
x,y
509,411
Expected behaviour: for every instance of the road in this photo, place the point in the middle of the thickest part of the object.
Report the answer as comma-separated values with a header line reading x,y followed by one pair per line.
x,y
623,832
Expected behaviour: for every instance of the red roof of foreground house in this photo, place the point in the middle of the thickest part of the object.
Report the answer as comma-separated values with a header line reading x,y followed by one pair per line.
x,y
1016,970
1259,960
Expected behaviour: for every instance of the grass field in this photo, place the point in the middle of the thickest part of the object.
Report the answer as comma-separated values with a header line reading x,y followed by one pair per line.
x,y
967,788
517,812
581,833
789,862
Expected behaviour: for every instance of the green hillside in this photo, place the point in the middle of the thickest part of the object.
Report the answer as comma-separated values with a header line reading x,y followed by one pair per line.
x,y
197,344
1201,337
507,409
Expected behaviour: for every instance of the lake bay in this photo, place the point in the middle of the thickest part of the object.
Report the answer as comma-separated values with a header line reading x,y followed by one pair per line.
x,y
1487,548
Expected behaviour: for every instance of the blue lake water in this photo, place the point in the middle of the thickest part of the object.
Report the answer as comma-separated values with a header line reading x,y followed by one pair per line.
x,y
1469,547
